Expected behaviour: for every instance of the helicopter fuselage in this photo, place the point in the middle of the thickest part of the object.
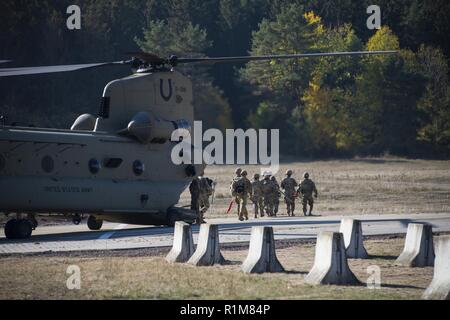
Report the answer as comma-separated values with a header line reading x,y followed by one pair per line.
x,y
114,167
46,170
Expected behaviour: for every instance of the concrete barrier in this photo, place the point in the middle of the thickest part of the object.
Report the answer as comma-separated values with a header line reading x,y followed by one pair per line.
x,y
418,250
440,285
353,240
208,251
330,263
183,244
261,254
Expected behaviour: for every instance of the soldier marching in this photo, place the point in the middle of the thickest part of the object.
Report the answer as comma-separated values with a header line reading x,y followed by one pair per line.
x,y
264,192
289,184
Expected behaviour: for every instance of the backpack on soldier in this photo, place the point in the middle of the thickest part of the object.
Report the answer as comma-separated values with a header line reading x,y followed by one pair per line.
x,y
238,186
206,186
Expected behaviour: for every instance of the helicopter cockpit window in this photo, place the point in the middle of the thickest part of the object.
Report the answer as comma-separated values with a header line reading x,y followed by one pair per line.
x,y
138,167
94,166
47,164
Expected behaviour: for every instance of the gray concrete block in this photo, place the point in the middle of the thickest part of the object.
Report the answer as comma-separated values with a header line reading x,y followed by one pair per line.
x,y
418,250
330,263
440,285
261,254
353,239
183,244
208,251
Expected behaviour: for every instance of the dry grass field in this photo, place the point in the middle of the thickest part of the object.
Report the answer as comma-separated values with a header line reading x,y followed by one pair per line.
x,y
358,186
148,276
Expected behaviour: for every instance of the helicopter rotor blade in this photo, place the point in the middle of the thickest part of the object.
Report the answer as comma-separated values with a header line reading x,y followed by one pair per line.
x,y
154,60
278,57
6,72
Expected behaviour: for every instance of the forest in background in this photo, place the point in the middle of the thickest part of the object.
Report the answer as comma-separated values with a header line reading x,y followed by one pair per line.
x,y
327,107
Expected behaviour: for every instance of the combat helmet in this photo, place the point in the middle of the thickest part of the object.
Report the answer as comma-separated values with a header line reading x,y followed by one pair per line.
x,y
306,175
244,173
238,171
289,172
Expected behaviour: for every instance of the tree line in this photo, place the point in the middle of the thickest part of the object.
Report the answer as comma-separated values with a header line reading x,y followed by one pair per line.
x,y
327,107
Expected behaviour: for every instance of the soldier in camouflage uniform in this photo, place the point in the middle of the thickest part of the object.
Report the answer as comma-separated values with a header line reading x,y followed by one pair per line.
x,y
233,186
258,196
205,192
244,196
194,189
268,191
289,184
306,189
275,195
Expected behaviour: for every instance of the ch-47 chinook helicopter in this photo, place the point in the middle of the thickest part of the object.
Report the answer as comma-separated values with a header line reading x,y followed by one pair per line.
x,y
115,166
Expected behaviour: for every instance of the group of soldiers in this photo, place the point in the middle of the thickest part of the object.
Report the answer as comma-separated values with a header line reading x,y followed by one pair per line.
x,y
265,194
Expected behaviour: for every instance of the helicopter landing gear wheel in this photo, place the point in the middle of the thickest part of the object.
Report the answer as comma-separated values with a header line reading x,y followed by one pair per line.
x,y
10,229
77,219
94,224
18,229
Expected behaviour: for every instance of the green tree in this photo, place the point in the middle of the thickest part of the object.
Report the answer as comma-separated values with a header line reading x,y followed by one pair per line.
x,y
387,93
282,83
329,106
435,103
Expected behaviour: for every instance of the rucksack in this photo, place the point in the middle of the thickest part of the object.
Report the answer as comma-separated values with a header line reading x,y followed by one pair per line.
x,y
238,187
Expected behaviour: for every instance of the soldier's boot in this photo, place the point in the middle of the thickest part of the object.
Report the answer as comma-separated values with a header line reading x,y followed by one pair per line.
x,y
245,213
200,217
202,214
239,209
310,209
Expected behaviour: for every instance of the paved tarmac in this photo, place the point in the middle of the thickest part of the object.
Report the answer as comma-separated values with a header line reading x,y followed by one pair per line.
x,y
121,236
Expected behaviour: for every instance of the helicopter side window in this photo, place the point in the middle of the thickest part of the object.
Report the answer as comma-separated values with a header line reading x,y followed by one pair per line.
x,y
47,164
94,166
112,162
138,167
